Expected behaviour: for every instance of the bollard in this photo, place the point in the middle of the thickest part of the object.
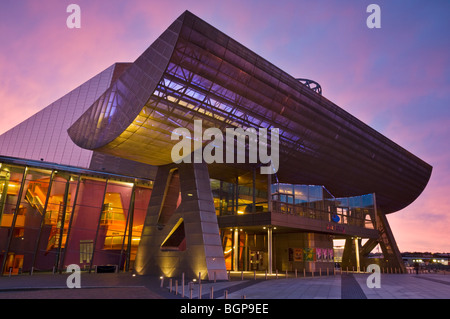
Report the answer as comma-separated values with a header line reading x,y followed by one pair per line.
x,y
295,272
320,272
243,297
229,275
327,272
265,276
162,281
254,274
199,285
170,284
32,270
304,272
225,294
176,287
211,294
312,273
215,277
276,276
347,269
182,285
286,273
242,275
190,290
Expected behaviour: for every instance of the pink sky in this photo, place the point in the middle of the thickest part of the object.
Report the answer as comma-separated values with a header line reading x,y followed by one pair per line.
x,y
396,79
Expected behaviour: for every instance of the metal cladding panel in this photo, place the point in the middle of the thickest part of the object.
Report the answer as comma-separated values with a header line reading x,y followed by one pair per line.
x,y
44,135
198,73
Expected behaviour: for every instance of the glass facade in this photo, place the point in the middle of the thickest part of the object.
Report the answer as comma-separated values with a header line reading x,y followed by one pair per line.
x,y
56,216
44,135
316,202
238,198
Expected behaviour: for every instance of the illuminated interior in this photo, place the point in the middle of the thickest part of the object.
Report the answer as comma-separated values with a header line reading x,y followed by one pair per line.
x,y
64,218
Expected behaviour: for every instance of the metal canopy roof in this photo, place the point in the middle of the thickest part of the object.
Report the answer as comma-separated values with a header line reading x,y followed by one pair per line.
x,y
194,71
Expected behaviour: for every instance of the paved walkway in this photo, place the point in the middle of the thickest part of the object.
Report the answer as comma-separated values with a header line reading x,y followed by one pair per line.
x,y
125,286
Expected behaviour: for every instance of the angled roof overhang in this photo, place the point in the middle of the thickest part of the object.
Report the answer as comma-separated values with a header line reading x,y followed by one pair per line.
x,y
194,71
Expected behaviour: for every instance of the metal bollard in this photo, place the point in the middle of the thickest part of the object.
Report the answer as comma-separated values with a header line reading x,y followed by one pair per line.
x,y
265,274
276,276
190,290
296,273
199,285
211,294
162,281
182,285
170,284
176,287
215,277
254,274
242,275
225,294
304,272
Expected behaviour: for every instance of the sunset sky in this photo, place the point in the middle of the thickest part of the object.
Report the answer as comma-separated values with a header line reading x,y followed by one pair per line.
x,y
396,79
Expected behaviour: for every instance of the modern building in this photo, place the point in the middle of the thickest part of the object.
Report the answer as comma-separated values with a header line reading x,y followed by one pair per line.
x,y
90,179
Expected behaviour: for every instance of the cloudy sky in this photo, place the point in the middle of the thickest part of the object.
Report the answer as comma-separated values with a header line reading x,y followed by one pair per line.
x,y
396,79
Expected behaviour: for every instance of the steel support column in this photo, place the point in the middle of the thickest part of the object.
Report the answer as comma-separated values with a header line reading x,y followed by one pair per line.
x,y
269,250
